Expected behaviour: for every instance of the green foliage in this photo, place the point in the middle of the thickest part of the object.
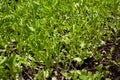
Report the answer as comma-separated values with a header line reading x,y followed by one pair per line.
x,y
53,31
